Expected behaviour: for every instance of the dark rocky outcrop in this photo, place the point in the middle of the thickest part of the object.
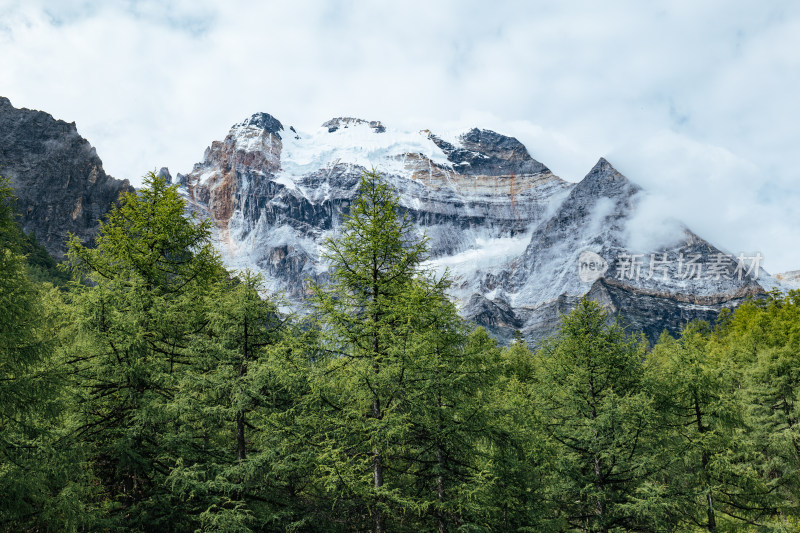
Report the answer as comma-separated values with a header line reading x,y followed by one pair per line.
x,y
57,177
335,124
484,152
266,122
164,174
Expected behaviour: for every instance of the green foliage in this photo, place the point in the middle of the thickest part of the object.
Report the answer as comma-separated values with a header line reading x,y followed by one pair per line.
x,y
24,343
8,227
762,340
701,421
224,399
38,262
42,268
401,396
595,408
38,482
166,394
132,329
516,448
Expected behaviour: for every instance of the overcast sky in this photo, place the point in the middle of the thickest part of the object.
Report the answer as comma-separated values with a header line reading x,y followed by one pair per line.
x,y
696,101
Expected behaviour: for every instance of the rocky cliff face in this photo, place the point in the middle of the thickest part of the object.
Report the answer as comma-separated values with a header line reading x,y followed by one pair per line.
x,y
522,244
56,175
275,194
678,278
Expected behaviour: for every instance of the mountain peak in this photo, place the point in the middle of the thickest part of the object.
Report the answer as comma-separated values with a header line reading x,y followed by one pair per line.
x,y
165,175
605,180
58,178
606,170
264,121
345,122
490,153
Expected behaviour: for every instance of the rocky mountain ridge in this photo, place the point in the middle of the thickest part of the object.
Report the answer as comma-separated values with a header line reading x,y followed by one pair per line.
x,y
521,244
510,233
58,178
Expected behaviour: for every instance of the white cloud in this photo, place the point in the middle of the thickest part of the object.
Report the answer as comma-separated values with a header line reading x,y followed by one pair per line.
x,y
716,193
701,94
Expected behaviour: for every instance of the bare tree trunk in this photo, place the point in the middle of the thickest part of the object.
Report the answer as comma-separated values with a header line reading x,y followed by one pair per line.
x,y
712,520
440,487
377,460
601,504
440,463
377,474
241,450
600,508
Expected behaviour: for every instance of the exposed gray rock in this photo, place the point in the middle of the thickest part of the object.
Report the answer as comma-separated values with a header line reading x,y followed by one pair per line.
x,y
345,122
654,290
165,175
488,153
509,231
264,121
57,177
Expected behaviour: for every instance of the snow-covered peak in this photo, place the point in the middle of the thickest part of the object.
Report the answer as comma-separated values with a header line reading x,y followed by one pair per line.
x,y
262,121
345,122
257,133
485,152
355,142
510,233
791,279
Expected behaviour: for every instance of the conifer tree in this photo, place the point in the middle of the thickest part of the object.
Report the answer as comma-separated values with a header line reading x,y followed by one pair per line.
x,y
373,265
520,455
222,400
400,393
133,324
35,487
448,381
770,387
597,412
726,473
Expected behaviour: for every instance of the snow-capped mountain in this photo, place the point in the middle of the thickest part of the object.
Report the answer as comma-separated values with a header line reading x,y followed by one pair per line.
x,y
521,244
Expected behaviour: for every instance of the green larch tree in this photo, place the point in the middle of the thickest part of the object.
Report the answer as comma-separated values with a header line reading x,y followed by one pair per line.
x,y
599,416
702,426
222,400
373,265
133,323
38,476
401,395
758,346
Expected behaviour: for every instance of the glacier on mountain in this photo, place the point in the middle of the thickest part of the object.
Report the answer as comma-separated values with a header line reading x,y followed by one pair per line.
x,y
508,230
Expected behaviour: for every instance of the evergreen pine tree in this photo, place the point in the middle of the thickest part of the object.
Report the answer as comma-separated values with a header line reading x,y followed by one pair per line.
x,y
400,395
132,326
599,416
222,400
37,478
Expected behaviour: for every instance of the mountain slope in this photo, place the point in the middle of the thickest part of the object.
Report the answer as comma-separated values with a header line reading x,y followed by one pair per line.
x,y
58,178
275,195
510,232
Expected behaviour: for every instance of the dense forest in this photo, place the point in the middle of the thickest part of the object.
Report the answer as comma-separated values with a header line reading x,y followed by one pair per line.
x,y
143,387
